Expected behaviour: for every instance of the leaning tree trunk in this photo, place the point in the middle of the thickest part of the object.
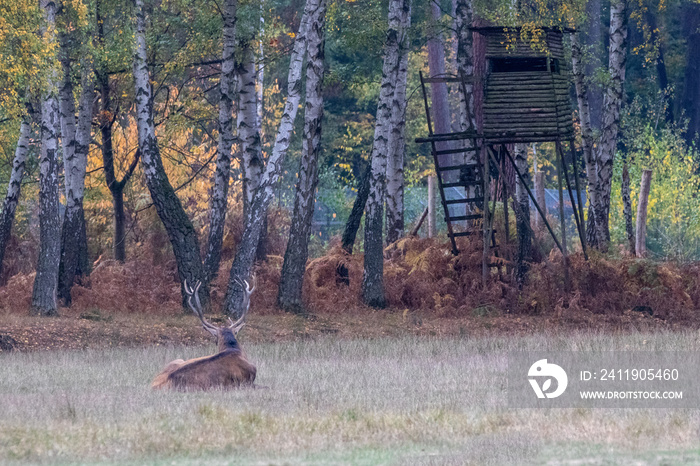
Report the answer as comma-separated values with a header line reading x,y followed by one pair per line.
x,y
219,197
522,216
46,280
586,138
373,279
611,120
397,143
358,208
294,266
245,253
7,216
76,142
183,237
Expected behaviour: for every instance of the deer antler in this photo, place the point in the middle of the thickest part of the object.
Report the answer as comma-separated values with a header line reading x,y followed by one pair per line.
x,y
198,308
237,325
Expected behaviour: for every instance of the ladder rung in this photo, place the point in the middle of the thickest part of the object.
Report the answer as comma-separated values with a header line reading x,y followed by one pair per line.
x,y
456,151
464,233
445,79
466,200
464,217
459,167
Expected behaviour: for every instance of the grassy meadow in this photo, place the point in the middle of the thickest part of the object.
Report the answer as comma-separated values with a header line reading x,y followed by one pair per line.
x,y
407,400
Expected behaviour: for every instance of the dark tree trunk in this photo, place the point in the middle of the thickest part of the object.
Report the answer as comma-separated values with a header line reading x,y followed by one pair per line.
x,y
116,187
522,216
594,42
627,206
691,86
46,280
661,73
358,208
181,233
13,188
294,266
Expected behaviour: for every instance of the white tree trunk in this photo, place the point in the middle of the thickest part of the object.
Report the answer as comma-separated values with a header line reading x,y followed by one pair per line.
x,y
181,233
219,197
641,238
248,132
612,103
294,266
373,280
245,253
14,186
589,155
46,280
76,144
397,141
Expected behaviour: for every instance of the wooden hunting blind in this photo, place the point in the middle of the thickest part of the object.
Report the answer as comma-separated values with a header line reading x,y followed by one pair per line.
x,y
525,87
526,90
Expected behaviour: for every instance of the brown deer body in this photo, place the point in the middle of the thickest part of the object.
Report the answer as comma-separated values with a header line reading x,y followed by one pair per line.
x,y
228,368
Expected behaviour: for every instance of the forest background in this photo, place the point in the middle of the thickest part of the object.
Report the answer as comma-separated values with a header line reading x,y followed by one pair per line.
x,y
658,127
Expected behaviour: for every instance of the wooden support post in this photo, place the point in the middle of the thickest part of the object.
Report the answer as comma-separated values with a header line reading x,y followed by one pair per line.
x,y
506,220
431,206
539,194
640,240
580,226
485,270
560,165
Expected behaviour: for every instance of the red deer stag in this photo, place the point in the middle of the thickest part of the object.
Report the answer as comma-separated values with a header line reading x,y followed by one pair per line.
x,y
228,368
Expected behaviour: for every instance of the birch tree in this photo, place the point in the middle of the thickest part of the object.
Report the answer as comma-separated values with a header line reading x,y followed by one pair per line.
x,y
248,132
75,141
294,266
14,187
46,280
373,280
245,253
397,142
612,103
219,197
175,220
589,156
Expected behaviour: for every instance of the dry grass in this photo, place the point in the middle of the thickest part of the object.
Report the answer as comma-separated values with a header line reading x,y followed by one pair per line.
x,y
408,400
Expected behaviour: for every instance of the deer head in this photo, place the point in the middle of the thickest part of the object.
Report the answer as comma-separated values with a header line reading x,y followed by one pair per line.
x,y
226,335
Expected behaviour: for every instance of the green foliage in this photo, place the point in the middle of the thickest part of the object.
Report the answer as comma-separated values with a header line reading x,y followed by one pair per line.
x,y
673,224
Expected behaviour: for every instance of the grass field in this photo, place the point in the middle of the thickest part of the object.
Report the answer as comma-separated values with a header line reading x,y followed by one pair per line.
x,y
408,400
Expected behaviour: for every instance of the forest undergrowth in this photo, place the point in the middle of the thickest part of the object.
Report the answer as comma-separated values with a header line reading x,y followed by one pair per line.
x,y
420,275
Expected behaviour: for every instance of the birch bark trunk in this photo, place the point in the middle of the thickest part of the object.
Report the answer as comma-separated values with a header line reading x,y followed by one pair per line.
x,y
397,142
46,280
75,140
14,187
612,103
292,279
177,224
589,155
245,253
219,197
373,279
248,132
641,238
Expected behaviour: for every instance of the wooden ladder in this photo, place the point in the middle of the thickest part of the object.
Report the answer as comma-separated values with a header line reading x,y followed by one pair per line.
x,y
464,183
